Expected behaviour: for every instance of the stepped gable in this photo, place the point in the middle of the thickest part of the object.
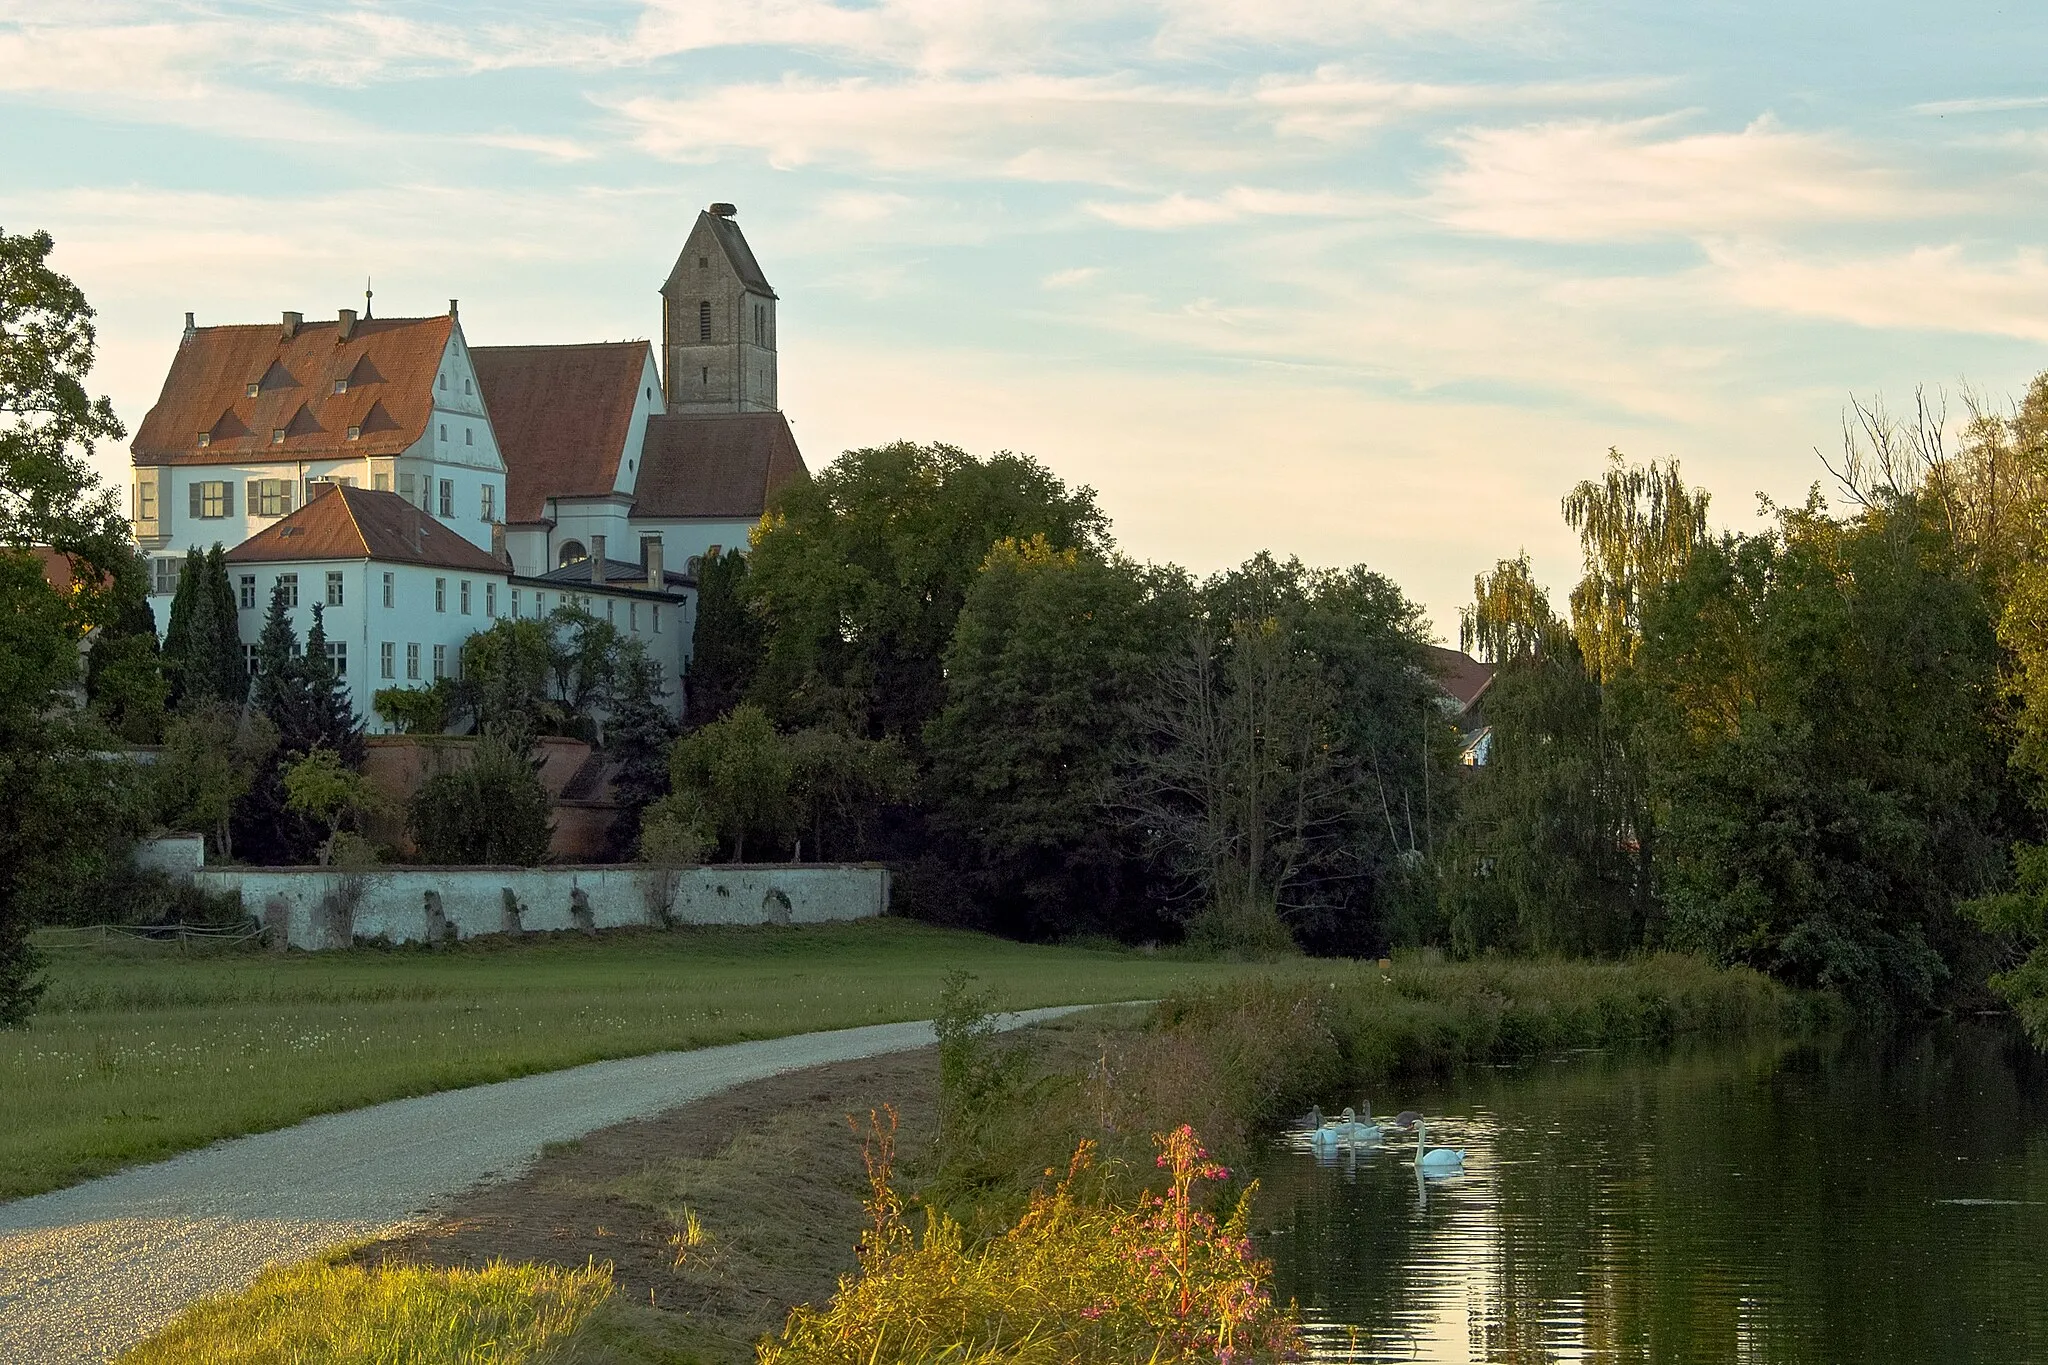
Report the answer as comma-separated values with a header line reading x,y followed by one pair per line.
x,y
387,367
340,522
562,415
725,465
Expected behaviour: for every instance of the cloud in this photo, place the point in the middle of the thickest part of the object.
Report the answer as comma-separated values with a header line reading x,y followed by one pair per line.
x,y
1070,278
1593,181
1984,105
1929,288
1206,24
1242,201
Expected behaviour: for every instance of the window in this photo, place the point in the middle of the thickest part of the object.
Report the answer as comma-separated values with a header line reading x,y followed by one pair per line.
x,y
390,588
572,550
355,433
440,594
491,600
515,602
334,587
249,659
610,610
440,662
704,375
380,480
447,497
387,660
632,616
540,603
704,320
468,436
212,499
270,497
205,438
412,662
277,436
337,657
444,381
341,386
465,597
466,387
405,489
246,592
251,391
164,575
145,498
654,610
490,502
290,583
703,262
444,431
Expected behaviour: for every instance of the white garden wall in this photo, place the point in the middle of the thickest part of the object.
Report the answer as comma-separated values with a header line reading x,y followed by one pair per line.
x,y
319,908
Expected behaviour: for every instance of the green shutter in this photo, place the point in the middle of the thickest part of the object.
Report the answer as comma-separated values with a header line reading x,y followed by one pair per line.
x,y
193,489
227,498
253,503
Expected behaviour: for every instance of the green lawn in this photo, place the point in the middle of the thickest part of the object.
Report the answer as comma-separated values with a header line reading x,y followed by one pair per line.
x,y
142,1050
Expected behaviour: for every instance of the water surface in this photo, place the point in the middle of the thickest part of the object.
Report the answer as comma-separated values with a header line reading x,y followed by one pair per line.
x,y
1859,1200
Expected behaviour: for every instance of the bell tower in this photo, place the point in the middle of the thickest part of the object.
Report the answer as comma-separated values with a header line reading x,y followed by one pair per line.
x,y
718,323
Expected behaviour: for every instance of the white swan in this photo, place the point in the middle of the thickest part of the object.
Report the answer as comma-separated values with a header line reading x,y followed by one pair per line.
x,y
1438,1160
1344,1133
1364,1129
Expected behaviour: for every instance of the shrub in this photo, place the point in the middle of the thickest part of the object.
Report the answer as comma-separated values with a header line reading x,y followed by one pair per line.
x,y
492,811
418,710
1079,1280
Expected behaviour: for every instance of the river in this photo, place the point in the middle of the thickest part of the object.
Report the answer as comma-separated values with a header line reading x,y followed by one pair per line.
x,y
1861,1199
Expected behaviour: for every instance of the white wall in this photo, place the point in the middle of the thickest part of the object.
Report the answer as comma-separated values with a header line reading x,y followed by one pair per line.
x,y
300,903
685,537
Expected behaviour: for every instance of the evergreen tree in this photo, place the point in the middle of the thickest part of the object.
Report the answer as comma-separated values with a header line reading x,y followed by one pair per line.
x,y
178,631
637,738
219,653
329,710
725,650
124,676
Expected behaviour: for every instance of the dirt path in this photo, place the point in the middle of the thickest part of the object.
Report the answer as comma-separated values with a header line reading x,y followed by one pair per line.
x,y
86,1272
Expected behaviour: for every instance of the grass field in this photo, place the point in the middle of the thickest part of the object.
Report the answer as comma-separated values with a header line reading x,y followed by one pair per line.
x,y
143,1050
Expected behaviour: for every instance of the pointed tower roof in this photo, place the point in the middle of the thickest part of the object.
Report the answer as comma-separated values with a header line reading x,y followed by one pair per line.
x,y
718,222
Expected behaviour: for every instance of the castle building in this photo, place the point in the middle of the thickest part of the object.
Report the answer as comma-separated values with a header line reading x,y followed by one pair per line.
x,y
476,482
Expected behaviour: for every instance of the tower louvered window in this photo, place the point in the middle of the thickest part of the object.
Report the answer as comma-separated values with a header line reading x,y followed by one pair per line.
x,y
704,320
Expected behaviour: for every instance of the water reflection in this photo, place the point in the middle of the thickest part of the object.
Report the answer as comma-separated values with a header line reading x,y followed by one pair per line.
x,y
1863,1200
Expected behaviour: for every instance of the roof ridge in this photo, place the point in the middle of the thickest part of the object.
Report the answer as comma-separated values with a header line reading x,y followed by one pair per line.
x,y
349,507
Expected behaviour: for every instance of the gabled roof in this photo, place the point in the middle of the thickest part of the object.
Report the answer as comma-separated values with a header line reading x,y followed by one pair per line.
x,y
1463,678
716,465
359,523
389,365
734,243
562,415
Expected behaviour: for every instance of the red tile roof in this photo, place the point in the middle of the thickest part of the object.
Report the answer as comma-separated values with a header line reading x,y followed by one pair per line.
x,y
718,465
562,415
60,571
389,363
1462,677
359,523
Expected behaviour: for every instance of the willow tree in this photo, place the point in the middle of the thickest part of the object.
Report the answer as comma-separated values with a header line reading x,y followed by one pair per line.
x,y
1510,620
1638,526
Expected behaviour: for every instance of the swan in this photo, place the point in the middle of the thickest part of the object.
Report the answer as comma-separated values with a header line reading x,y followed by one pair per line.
x,y
1435,1161
1360,1130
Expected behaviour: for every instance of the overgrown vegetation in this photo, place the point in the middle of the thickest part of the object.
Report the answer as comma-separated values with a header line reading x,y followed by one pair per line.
x,y
324,1313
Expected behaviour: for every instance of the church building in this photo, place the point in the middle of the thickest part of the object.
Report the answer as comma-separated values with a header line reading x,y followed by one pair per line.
x,y
421,487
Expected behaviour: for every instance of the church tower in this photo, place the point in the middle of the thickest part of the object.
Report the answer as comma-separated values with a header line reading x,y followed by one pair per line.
x,y
718,323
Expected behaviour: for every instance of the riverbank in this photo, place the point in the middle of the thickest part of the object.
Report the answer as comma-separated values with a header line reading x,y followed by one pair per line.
x,y
719,1217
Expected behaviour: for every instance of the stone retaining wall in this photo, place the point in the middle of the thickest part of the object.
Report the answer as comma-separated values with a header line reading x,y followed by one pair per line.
x,y
320,908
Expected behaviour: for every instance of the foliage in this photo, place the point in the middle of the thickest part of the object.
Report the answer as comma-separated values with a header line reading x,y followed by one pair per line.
x,y
506,672
202,650
1823,748
1510,620
325,790
584,661
419,710
838,783
1637,526
726,647
124,676
299,691
738,771
1050,657
859,575
492,810
637,740
330,1311
60,805
2021,915
1080,1280
212,757
675,833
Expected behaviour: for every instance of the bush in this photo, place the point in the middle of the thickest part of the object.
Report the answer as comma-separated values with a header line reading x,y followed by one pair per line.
x,y
1079,1280
493,811
418,710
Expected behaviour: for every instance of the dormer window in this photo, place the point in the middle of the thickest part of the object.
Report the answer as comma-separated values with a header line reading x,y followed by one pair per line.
x,y
355,433
341,386
277,436
206,438
252,390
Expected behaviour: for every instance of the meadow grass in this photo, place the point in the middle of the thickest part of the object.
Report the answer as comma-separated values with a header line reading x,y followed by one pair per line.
x,y
321,1313
143,1050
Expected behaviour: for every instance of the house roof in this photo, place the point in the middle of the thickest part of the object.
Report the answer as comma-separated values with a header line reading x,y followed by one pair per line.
x,y
340,522
725,464
562,415
59,569
389,365
618,573
1462,677
734,243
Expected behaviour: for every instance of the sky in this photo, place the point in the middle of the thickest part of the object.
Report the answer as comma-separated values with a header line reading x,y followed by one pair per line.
x,y
1363,281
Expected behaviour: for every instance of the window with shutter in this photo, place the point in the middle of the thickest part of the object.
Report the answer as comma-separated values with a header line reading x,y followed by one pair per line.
x,y
193,510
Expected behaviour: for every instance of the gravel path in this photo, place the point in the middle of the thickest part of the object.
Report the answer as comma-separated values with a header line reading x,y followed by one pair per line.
x,y
87,1272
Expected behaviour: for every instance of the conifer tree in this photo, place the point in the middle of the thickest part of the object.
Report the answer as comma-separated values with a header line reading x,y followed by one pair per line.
x,y
227,674
637,738
178,631
329,710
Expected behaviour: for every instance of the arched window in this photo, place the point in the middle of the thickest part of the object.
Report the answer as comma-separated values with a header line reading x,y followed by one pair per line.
x,y
572,551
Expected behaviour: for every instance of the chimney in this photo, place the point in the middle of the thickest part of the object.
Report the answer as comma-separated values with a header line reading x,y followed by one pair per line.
x,y
723,211
498,551
189,328
451,308
292,322
348,324
655,581
597,559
